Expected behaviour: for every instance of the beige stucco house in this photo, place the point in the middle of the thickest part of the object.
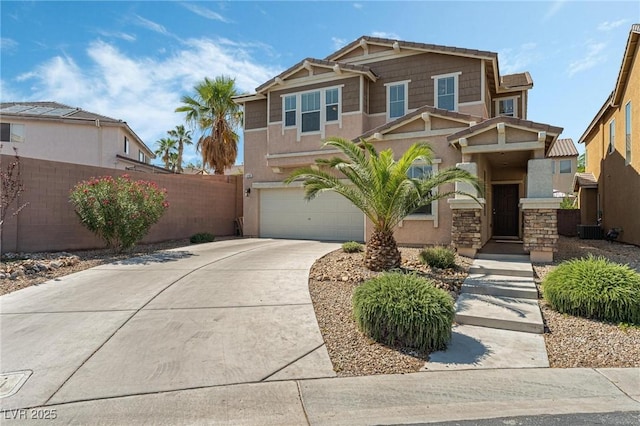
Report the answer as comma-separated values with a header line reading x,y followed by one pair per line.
x,y
609,190
395,93
564,165
57,132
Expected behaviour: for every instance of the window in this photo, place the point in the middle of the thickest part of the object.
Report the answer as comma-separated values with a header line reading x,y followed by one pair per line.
x,y
141,157
612,136
507,107
331,104
396,94
627,131
310,111
10,132
126,145
290,110
565,166
418,172
446,91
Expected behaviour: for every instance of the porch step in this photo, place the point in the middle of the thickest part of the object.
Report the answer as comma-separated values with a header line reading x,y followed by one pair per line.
x,y
506,313
500,285
504,257
505,265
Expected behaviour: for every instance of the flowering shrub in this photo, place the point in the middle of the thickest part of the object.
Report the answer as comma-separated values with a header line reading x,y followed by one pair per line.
x,y
120,211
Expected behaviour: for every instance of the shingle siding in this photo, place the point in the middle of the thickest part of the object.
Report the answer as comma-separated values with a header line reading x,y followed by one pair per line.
x,y
255,114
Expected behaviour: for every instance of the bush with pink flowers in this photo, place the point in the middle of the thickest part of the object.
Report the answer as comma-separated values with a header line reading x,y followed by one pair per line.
x,y
118,210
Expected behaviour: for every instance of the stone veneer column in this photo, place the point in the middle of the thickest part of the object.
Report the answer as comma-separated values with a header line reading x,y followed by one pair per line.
x,y
466,232
540,234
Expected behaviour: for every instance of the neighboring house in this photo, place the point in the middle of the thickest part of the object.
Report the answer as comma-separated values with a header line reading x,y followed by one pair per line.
x,y
563,167
609,190
57,132
395,93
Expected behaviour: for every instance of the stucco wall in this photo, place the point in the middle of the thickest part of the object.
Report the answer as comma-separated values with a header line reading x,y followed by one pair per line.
x,y
197,204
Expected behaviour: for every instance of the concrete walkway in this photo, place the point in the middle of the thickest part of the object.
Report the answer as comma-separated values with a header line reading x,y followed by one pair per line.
x,y
225,333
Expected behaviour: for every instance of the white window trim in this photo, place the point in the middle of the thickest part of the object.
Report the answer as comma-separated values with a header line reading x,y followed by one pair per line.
x,y
611,148
434,204
142,157
628,153
560,167
456,79
515,105
323,111
19,139
388,86
127,145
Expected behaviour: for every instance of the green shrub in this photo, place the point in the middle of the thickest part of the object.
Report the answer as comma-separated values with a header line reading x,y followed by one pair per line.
x,y
202,237
119,211
438,257
569,203
594,287
405,310
351,247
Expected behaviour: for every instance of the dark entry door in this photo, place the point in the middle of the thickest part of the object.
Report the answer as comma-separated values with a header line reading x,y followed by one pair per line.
x,y
505,210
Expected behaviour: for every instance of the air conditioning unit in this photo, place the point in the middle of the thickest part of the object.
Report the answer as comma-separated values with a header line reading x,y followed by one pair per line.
x,y
590,232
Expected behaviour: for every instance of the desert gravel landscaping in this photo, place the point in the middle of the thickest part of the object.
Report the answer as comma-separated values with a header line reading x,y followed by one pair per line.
x,y
571,341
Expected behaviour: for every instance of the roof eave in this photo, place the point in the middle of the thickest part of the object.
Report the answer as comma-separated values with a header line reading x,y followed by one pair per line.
x,y
627,60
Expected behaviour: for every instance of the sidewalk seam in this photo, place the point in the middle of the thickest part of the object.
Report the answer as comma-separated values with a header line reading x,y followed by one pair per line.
x,y
304,409
597,370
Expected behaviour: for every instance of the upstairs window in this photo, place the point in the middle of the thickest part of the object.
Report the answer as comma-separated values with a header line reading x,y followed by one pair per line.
x,y
126,145
310,107
627,131
565,166
11,132
290,110
141,157
507,107
419,172
331,104
397,99
446,91
612,136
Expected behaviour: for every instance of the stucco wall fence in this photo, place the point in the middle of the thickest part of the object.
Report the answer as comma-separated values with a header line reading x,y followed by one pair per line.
x,y
49,223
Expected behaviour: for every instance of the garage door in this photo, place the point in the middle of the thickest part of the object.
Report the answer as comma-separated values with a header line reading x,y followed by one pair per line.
x,y
284,213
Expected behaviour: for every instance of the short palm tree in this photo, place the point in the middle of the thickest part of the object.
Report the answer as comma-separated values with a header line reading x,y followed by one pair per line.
x,y
182,137
166,147
214,112
380,188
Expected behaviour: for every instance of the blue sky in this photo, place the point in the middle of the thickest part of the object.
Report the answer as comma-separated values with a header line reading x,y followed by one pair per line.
x,y
134,60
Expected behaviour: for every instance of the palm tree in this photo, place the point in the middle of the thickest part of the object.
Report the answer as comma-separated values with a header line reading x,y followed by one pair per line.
x,y
182,137
380,188
173,162
214,112
166,147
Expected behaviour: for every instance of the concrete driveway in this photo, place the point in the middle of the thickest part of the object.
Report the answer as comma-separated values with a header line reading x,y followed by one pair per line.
x,y
228,312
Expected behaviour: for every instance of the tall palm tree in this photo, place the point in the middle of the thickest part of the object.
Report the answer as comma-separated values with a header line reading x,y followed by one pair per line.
x,y
182,137
166,147
173,162
380,188
214,112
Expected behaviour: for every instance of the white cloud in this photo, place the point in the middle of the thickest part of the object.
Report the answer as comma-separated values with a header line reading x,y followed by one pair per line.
x,y
150,25
204,12
519,59
610,25
358,6
7,43
382,34
553,9
593,57
143,91
338,43
120,35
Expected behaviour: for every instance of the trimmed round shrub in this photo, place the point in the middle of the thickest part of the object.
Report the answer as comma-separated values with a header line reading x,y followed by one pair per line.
x,y
438,257
351,247
404,310
594,287
202,237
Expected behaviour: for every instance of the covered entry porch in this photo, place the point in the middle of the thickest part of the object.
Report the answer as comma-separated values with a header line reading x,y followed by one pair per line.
x,y
509,157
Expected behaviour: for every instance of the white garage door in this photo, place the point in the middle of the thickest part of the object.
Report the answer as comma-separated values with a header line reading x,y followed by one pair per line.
x,y
284,213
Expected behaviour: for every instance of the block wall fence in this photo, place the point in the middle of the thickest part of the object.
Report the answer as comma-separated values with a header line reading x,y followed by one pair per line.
x,y
197,204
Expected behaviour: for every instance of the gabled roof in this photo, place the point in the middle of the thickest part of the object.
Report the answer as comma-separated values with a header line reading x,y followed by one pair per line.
x,y
418,113
58,112
630,52
584,180
312,62
514,121
563,148
520,80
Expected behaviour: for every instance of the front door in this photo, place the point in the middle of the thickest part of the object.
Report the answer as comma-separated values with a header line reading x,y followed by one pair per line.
x,y
505,210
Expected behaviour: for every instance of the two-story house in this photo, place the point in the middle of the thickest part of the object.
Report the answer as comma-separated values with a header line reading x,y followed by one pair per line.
x,y
57,132
609,190
564,157
394,93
